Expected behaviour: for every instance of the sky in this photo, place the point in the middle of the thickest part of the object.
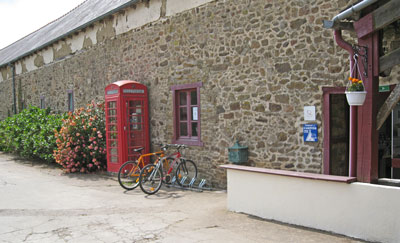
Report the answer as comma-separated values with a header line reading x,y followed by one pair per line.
x,y
18,18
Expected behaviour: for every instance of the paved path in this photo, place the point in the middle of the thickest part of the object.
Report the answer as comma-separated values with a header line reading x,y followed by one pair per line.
x,y
39,204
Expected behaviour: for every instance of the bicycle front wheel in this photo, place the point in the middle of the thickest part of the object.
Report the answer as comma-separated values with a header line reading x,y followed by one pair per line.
x,y
150,179
186,172
128,175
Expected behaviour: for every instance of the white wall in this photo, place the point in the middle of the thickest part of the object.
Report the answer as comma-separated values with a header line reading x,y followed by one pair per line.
x,y
177,6
360,210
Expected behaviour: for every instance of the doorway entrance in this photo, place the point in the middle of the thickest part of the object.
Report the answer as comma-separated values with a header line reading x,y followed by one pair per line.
x,y
339,139
389,146
336,131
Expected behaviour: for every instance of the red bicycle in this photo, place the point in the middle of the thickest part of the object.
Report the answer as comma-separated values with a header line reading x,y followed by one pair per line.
x,y
152,175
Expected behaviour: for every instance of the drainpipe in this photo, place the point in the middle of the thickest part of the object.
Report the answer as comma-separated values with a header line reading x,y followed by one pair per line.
x,y
12,66
353,109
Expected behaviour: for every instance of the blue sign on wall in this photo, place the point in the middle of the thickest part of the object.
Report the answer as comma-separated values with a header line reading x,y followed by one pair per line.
x,y
310,132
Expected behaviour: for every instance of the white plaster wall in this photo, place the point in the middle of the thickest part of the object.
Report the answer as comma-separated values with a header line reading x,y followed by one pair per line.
x,y
140,16
177,6
18,68
30,63
91,33
76,43
365,211
48,55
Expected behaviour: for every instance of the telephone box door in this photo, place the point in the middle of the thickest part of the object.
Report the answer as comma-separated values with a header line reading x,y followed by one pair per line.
x,y
134,128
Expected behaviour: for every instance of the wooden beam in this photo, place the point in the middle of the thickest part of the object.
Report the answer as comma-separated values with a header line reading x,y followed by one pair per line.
x,y
390,60
328,24
387,107
380,18
387,14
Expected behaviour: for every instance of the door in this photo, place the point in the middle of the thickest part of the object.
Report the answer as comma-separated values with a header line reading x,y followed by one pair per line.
x,y
112,132
339,135
134,126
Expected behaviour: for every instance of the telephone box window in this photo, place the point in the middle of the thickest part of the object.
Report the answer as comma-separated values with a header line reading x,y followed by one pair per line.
x,y
186,100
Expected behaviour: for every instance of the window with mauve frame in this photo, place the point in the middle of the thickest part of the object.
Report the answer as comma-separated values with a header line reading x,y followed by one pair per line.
x,y
186,100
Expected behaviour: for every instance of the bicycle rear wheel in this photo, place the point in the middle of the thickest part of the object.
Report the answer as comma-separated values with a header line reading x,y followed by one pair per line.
x,y
150,179
188,169
128,175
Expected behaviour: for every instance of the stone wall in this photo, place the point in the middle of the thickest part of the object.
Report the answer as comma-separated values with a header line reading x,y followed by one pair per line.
x,y
260,63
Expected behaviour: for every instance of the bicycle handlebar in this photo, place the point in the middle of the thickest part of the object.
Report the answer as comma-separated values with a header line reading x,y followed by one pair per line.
x,y
177,146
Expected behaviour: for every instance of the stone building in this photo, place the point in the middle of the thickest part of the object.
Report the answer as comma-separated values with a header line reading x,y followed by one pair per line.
x,y
255,65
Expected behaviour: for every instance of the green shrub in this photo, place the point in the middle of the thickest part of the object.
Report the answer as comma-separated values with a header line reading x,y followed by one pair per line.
x,y
81,144
30,133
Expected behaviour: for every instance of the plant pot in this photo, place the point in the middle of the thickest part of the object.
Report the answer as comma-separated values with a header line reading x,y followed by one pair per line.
x,y
356,98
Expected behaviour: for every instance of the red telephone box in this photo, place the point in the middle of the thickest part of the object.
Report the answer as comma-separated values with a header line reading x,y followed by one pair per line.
x,y
127,122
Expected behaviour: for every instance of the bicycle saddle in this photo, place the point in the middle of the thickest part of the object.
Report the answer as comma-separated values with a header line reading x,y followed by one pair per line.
x,y
138,149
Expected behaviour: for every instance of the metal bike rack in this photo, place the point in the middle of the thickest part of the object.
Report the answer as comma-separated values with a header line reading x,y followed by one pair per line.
x,y
191,186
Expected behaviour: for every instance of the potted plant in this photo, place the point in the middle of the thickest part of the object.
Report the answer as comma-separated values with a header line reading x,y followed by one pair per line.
x,y
355,92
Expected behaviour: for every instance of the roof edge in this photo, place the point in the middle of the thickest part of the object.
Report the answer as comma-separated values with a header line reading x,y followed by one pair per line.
x,y
70,32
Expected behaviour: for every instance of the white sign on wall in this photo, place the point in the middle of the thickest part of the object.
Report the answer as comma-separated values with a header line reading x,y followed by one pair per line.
x,y
309,113
195,113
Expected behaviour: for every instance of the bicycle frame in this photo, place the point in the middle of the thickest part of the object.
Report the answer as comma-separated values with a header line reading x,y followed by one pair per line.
x,y
159,165
140,160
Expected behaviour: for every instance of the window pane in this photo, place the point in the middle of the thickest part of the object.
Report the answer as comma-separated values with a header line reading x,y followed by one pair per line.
x,y
114,159
182,98
112,128
70,102
183,129
112,112
42,103
136,126
194,129
112,104
114,151
193,97
183,114
112,119
135,103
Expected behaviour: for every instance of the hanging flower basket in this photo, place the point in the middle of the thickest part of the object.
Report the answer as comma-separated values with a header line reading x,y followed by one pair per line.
x,y
356,98
355,90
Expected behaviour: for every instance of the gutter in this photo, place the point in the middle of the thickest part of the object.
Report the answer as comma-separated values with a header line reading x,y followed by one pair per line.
x,y
335,22
354,9
72,31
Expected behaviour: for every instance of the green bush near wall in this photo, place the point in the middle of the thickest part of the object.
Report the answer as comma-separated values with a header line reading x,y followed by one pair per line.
x,y
30,133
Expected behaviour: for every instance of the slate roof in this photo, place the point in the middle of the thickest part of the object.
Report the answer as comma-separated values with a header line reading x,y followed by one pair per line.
x,y
80,17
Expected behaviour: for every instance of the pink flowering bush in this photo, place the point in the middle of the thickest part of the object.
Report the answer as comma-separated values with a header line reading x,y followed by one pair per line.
x,y
81,143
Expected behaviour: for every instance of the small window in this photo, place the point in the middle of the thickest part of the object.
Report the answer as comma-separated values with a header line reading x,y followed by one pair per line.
x,y
42,102
186,100
70,100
